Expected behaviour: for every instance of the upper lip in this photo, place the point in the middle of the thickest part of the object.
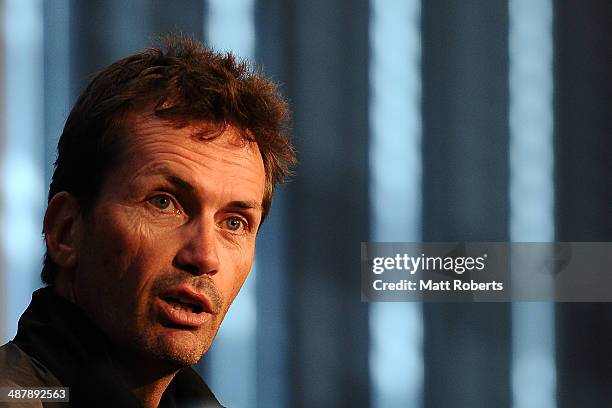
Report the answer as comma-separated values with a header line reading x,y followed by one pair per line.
x,y
187,295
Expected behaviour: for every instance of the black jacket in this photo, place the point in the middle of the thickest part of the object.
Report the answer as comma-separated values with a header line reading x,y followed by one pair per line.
x,y
57,345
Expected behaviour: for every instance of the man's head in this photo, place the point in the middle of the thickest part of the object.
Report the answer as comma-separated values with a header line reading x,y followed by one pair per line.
x,y
165,170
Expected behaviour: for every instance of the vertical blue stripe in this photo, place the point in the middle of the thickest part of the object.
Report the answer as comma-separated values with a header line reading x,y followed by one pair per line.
x,y
396,329
230,26
57,77
22,168
532,191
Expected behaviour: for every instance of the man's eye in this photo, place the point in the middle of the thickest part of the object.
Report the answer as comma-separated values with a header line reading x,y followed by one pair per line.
x,y
162,201
235,223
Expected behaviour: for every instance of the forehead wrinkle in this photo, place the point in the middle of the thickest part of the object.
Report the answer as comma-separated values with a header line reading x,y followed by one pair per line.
x,y
155,142
161,158
224,150
234,138
168,170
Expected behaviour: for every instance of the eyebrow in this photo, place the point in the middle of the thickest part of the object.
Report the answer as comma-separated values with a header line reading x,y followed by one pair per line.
x,y
247,205
184,185
180,183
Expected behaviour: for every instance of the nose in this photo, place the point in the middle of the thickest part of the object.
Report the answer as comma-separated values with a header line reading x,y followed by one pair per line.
x,y
198,253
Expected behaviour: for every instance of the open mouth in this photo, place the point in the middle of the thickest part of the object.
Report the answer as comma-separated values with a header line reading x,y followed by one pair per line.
x,y
182,305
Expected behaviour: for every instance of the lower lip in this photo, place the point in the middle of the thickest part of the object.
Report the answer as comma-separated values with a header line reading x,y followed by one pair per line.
x,y
182,317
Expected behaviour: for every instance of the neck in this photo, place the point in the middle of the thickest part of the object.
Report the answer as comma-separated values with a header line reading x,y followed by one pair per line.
x,y
147,379
150,394
63,287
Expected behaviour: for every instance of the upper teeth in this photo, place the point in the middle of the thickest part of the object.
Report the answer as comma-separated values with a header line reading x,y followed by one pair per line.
x,y
179,304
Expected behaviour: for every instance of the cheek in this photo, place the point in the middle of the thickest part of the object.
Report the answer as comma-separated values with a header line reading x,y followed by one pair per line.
x,y
119,262
109,251
125,240
232,282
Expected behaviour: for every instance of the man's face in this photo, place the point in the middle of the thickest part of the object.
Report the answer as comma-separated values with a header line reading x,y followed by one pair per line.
x,y
171,239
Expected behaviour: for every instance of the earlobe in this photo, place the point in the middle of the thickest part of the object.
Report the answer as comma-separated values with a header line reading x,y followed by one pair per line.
x,y
62,228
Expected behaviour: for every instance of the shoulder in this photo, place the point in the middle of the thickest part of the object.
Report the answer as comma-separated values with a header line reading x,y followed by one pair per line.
x,y
17,368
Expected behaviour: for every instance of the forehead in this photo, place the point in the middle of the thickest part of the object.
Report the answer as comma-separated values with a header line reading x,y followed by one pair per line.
x,y
143,129
196,148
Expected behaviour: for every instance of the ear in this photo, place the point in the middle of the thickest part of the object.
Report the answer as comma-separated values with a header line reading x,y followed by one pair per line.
x,y
62,228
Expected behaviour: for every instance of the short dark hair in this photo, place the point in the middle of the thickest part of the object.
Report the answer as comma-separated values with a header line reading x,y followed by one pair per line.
x,y
181,81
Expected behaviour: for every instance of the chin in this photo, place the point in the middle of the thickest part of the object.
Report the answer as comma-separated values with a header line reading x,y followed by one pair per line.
x,y
178,347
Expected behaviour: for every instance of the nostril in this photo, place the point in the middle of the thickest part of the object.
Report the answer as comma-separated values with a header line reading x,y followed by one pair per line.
x,y
187,267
